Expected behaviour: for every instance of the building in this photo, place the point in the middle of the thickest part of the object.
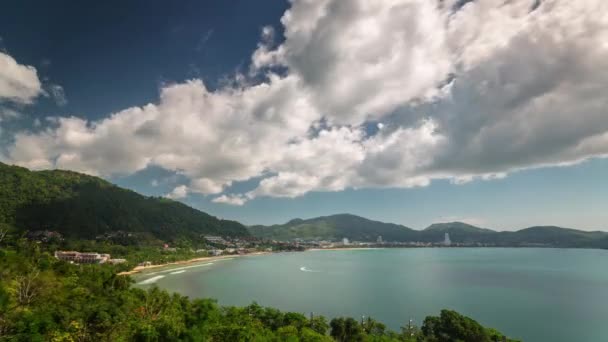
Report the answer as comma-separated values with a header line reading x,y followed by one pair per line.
x,y
345,241
44,235
82,258
117,261
379,240
215,252
215,239
446,240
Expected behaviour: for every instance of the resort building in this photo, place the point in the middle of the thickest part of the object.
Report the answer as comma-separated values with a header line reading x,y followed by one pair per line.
x,y
446,240
82,258
215,252
215,239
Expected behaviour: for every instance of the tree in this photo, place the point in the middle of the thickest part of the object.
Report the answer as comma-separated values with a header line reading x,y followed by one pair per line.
x,y
450,326
319,324
3,232
346,329
373,327
409,331
26,287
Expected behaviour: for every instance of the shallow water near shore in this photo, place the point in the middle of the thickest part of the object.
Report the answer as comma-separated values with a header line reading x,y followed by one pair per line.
x,y
535,294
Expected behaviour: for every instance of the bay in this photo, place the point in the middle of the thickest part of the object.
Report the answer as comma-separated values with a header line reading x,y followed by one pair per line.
x,y
535,294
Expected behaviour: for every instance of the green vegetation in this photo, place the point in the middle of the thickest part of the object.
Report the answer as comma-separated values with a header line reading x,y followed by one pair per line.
x,y
43,299
335,227
81,206
355,228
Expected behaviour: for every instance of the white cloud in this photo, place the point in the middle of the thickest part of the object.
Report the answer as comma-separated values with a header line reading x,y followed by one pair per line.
x,y
463,92
362,59
18,83
8,113
231,199
178,192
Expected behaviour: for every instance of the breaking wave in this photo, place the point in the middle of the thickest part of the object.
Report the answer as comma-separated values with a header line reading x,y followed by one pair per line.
x,y
151,280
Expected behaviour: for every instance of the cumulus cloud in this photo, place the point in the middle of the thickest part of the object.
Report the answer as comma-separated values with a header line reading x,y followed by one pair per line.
x,y
362,59
178,192
18,83
231,199
453,90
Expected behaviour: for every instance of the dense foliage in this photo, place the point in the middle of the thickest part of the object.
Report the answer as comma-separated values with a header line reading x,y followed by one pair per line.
x,y
82,206
357,228
42,299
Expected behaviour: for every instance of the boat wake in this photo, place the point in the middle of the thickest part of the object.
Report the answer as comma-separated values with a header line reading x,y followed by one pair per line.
x,y
304,269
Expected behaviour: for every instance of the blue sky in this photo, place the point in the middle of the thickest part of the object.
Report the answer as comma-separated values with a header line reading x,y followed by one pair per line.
x,y
411,114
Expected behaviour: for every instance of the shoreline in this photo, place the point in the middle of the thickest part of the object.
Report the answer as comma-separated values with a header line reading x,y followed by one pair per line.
x,y
343,249
140,269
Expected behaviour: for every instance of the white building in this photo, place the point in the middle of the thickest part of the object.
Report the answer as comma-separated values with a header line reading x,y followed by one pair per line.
x,y
345,241
215,252
215,239
82,258
379,240
446,240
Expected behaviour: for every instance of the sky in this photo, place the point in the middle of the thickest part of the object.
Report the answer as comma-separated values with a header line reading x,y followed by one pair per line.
x,y
408,111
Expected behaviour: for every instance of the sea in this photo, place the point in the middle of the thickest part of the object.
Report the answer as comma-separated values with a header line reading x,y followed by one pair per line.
x,y
533,294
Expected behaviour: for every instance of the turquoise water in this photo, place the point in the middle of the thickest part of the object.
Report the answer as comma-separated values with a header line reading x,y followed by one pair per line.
x,y
527,293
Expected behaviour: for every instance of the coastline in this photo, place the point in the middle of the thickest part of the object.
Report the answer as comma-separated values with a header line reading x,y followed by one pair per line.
x,y
139,269
343,249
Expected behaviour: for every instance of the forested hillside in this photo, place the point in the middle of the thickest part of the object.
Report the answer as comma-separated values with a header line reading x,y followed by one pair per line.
x,y
83,206
335,227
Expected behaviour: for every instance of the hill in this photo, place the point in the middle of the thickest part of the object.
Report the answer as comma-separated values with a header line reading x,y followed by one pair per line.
x,y
357,228
335,227
82,206
458,231
553,236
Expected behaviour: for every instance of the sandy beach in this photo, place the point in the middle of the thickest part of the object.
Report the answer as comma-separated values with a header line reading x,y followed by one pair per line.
x,y
138,269
343,249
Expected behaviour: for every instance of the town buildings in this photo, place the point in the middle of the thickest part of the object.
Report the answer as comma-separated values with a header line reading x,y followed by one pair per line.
x,y
82,258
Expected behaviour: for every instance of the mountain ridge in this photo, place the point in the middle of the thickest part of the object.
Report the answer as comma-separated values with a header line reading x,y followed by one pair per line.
x,y
82,206
336,227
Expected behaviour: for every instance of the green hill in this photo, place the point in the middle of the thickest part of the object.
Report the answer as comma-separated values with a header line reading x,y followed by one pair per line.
x,y
82,206
458,231
335,227
553,236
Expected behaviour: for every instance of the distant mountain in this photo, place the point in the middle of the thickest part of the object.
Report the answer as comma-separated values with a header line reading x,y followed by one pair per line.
x,y
553,236
458,231
335,227
83,206
357,228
